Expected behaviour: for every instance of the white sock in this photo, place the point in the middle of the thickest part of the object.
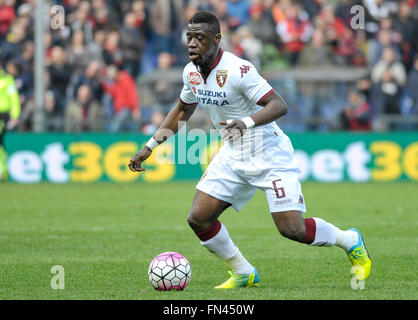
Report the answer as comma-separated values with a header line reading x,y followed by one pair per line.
x,y
240,265
329,235
347,239
225,249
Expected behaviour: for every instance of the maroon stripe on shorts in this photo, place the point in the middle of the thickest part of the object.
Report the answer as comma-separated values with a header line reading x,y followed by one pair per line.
x,y
210,232
310,230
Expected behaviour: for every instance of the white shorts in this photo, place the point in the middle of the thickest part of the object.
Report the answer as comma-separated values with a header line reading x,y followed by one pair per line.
x,y
236,182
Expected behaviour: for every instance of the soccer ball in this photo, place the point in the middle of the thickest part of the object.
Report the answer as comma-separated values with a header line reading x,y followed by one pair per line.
x,y
169,271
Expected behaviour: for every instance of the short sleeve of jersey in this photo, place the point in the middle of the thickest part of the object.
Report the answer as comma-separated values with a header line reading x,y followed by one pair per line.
x,y
187,95
253,85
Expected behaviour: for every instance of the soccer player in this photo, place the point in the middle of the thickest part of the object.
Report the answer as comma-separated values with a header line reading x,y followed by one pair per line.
x,y
9,114
256,155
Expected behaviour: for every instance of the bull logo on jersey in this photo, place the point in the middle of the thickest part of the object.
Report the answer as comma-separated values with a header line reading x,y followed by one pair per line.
x,y
194,78
244,69
221,76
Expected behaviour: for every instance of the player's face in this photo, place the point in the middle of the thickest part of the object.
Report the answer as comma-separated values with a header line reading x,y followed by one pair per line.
x,y
201,43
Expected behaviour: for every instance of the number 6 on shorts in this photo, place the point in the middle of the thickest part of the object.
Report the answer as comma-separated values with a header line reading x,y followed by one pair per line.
x,y
279,190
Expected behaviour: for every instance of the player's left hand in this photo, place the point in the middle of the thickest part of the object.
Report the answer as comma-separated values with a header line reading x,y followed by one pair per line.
x,y
233,130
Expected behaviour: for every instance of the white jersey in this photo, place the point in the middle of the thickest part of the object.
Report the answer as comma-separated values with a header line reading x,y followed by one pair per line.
x,y
262,159
234,89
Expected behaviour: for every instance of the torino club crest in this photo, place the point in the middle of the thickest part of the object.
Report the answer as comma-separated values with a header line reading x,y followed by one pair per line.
x,y
221,76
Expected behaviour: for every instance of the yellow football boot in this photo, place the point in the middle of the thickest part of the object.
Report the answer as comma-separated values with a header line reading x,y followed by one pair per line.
x,y
240,281
360,259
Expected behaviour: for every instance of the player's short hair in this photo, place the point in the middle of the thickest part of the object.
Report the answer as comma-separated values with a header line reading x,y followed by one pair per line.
x,y
208,18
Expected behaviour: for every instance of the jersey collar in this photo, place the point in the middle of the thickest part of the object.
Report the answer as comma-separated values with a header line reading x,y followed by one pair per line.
x,y
217,60
213,65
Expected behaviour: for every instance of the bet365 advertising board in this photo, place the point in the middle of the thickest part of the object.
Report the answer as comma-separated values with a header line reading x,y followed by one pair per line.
x,y
87,158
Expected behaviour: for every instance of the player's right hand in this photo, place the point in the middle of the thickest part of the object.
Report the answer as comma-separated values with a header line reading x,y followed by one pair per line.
x,y
233,130
135,164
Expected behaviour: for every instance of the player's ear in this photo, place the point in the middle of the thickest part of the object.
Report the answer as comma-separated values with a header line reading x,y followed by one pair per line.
x,y
217,38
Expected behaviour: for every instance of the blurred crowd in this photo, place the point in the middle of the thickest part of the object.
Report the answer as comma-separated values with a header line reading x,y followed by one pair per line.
x,y
94,62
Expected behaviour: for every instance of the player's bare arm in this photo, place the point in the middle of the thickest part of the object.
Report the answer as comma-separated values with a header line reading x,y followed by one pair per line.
x,y
274,108
170,126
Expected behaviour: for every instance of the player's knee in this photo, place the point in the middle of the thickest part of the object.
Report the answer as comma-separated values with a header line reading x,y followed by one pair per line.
x,y
293,232
193,223
196,223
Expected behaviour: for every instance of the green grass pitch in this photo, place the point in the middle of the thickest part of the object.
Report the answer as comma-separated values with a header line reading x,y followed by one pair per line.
x,y
105,235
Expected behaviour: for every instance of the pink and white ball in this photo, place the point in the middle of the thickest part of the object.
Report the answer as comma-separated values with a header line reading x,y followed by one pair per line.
x,y
169,271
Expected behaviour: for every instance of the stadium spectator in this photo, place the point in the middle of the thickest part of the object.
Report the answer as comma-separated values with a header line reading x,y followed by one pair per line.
x,y
103,16
28,108
364,86
235,44
271,33
157,119
278,9
59,72
165,17
295,31
124,102
343,11
96,46
226,36
317,53
388,76
84,113
54,111
379,9
357,115
315,96
238,12
11,47
386,36
376,10
132,43
313,7
80,20
91,77
407,26
78,54
71,6
251,46
337,35
383,40
182,57
261,26
409,102
386,24
7,15
163,87
203,4
112,54
139,11
220,8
